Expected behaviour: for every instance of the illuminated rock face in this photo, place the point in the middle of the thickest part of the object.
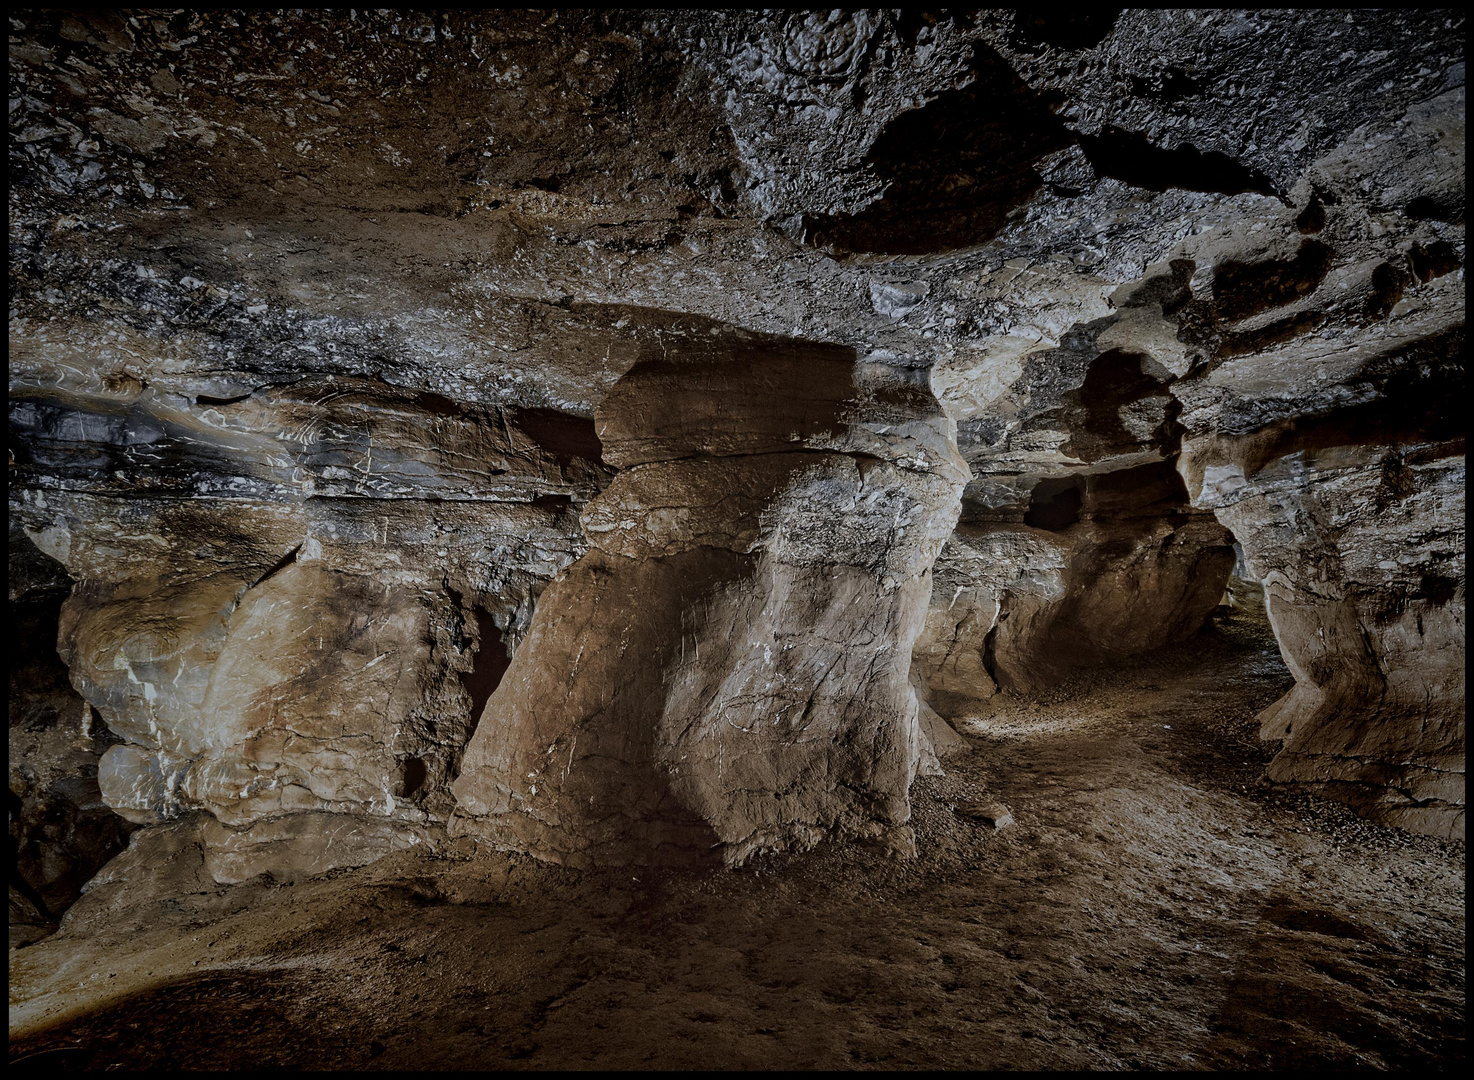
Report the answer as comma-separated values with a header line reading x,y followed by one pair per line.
x,y
408,400
280,651
727,669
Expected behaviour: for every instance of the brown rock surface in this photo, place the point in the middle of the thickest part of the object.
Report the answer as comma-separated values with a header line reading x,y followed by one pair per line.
x,y
312,316
692,687
1153,906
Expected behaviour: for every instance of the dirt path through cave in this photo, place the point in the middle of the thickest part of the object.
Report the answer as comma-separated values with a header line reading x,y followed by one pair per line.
x,y
1154,905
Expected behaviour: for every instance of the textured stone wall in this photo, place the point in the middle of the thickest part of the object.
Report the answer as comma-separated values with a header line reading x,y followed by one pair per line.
x,y
727,669
374,374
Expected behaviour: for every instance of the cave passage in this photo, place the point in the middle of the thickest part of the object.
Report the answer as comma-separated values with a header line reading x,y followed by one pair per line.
x,y
729,538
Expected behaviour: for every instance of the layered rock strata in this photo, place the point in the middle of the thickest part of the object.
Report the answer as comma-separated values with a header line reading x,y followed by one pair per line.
x,y
727,669
312,313
290,600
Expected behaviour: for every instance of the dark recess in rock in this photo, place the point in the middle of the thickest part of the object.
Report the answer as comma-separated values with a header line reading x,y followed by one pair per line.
x,y
490,665
1054,505
1434,208
562,434
1439,590
1313,218
1133,159
1433,261
1244,289
953,169
1389,279
1241,343
1152,490
1115,379
413,779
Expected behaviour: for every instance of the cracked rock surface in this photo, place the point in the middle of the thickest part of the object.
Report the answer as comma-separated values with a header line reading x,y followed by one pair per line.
x,y
625,436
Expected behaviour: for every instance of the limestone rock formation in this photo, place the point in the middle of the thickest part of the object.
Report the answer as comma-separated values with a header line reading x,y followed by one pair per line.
x,y
1095,567
277,650
409,397
727,669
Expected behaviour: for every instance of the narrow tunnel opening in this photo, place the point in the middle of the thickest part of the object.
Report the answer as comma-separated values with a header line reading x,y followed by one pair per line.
x,y
1133,159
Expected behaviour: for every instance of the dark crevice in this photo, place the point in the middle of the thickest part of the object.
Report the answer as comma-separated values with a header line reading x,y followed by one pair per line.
x,y
487,668
1155,490
206,399
774,399
911,21
1275,333
1135,160
437,404
1054,504
1437,589
990,646
1244,289
18,881
281,564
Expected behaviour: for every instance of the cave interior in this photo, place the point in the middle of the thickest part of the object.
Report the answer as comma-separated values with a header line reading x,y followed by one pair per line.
x,y
694,539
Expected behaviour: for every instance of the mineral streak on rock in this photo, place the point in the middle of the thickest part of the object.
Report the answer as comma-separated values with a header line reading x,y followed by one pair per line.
x,y
427,408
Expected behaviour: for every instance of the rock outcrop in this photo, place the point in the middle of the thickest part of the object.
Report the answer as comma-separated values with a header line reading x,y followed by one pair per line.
x,y
411,397
1102,566
727,669
264,644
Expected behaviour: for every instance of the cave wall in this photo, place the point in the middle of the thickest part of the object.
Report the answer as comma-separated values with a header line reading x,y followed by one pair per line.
x,y
728,669
61,830
364,367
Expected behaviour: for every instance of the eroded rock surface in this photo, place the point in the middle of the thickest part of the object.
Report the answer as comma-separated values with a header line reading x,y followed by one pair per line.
x,y
1102,566
727,669
281,649
359,359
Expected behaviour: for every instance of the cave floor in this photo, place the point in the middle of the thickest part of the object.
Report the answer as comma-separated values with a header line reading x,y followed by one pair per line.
x,y
1155,905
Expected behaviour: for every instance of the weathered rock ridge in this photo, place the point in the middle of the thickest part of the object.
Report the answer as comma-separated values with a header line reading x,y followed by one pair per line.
x,y
619,435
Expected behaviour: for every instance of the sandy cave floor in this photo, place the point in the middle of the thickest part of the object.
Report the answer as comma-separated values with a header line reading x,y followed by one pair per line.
x,y
1155,905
